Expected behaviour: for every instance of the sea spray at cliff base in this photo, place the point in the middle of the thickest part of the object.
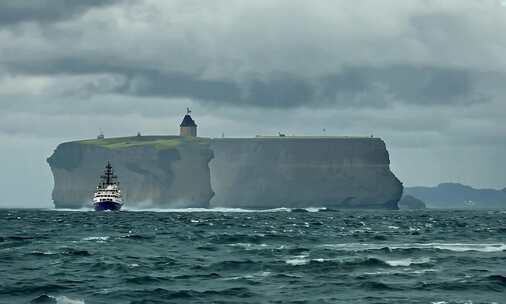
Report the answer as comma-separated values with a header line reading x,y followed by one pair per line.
x,y
250,256
217,209
255,173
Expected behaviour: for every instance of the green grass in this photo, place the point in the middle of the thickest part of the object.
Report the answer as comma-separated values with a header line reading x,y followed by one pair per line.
x,y
158,142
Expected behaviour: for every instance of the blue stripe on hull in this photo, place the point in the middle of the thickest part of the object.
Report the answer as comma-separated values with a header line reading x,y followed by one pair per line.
x,y
108,205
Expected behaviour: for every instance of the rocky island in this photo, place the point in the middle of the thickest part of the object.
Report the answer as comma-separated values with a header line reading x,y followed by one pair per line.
x,y
262,172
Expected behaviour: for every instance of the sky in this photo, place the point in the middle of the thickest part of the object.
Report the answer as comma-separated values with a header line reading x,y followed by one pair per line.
x,y
427,76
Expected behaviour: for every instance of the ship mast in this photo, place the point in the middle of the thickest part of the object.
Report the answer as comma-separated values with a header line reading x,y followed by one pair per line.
x,y
108,178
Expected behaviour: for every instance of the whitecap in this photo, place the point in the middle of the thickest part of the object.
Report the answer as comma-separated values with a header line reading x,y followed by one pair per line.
x,y
459,302
381,272
320,260
84,209
394,272
261,274
218,209
315,209
298,260
457,247
43,252
67,300
96,238
461,247
251,246
422,271
187,210
407,262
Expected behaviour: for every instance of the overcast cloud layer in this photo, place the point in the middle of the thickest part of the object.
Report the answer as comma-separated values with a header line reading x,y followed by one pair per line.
x,y
426,76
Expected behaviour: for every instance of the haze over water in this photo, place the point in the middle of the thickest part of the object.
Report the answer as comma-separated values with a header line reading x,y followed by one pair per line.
x,y
236,256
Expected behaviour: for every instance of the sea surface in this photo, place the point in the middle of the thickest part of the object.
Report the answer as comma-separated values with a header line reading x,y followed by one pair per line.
x,y
240,256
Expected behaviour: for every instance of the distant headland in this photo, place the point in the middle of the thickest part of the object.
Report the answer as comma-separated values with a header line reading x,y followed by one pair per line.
x,y
455,195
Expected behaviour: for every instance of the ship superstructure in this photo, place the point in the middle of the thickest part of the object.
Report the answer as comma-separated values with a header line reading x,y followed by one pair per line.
x,y
108,195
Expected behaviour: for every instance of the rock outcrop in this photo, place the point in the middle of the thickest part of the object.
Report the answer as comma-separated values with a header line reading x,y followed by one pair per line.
x,y
266,172
409,202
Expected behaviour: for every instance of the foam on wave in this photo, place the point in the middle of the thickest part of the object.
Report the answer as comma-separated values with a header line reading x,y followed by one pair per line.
x,y
57,300
96,238
84,209
224,210
186,210
457,247
370,261
407,262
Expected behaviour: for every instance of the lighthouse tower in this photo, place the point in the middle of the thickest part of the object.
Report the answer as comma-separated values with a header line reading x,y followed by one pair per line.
x,y
188,127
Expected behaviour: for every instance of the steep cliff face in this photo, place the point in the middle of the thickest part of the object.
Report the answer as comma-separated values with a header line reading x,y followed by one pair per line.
x,y
172,172
300,172
154,172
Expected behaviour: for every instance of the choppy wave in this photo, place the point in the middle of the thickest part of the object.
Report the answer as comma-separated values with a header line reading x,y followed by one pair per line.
x,y
408,262
360,261
224,210
187,210
252,256
96,238
457,247
84,209
43,253
46,299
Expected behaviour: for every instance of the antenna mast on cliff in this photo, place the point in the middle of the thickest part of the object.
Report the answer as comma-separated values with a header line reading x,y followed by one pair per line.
x,y
100,135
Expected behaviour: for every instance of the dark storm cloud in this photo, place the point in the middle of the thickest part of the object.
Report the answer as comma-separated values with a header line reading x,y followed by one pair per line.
x,y
276,93
351,87
407,84
45,11
418,54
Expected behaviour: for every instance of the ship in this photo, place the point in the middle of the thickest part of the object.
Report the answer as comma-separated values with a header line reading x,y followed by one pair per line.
x,y
108,195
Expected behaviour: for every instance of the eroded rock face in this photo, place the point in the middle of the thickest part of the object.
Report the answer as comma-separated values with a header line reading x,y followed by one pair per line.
x,y
149,177
240,173
410,202
303,172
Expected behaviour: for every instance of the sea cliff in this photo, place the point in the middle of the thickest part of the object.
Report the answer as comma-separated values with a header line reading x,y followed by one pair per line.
x,y
154,171
297,172
263,172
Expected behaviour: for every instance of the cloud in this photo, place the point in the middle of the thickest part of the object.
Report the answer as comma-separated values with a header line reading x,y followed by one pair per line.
x,y
45,11
326,54
424,75
351,87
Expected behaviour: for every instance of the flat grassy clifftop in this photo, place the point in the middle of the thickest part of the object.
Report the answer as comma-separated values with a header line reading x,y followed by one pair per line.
x,y
158,142
171,142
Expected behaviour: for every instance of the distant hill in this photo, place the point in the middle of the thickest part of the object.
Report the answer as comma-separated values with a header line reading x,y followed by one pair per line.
x,y
454,195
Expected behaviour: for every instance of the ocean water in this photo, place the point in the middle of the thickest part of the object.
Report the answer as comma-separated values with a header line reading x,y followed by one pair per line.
x,y
240,256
